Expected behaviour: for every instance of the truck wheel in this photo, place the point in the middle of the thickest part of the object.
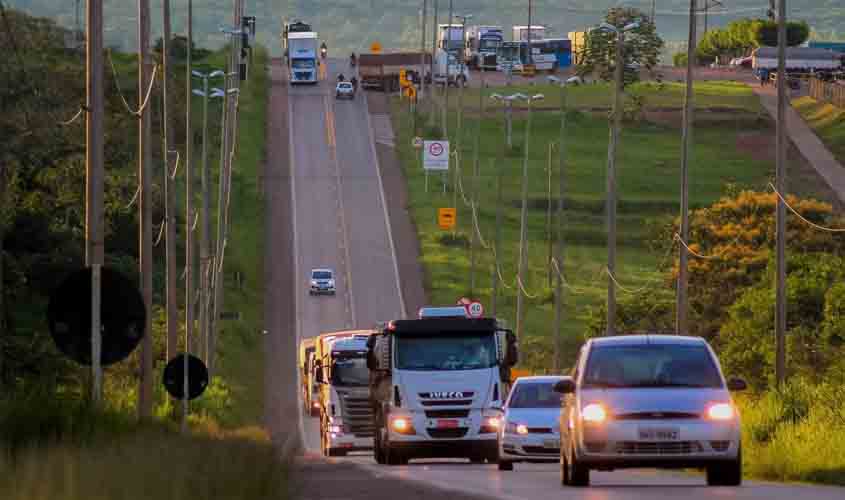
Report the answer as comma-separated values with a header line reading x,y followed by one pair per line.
x,y
334,452
378,449
505,465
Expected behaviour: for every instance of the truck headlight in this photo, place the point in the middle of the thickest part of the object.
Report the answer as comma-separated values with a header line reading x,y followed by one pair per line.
x,y
402,425
336,429
594,413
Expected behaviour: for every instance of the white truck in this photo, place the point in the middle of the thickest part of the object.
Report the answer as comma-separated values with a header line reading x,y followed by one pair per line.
x,y
450,37
448,70
520,33
482,43
346,419
303,57
437,385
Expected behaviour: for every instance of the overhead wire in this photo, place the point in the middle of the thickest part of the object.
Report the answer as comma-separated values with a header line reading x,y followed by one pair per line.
x,y
801,217
146,100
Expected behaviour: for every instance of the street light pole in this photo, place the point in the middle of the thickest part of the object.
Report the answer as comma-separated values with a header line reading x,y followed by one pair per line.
x,y
559,304
189,212
780,180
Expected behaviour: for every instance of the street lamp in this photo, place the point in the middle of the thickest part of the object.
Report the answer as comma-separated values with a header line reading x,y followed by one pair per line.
x,y
611,168
523,254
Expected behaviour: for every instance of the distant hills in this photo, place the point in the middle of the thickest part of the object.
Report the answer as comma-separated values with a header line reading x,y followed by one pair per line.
x,y
349,25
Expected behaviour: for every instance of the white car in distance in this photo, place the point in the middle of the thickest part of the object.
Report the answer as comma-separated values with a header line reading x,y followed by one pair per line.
x,y
322,282
345,90
529,429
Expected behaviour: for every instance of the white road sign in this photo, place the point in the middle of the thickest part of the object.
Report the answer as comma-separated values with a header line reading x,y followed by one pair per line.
x,y
436,155
475,310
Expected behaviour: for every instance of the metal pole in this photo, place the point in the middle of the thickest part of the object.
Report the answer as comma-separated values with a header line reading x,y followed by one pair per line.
x,y
530,55
221,195
653,11
559,315
611,184
549,214
780,180
446,86
189,218
94,182
686,145
145,211
422,49
169,195
523,252
431,63
475,169
205,229
497,244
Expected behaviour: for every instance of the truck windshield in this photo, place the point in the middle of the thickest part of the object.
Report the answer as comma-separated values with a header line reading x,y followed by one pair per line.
x,y
489,44
350,372
303,63
471,351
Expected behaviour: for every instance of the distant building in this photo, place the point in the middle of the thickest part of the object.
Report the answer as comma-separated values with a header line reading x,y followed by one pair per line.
x,y
797,58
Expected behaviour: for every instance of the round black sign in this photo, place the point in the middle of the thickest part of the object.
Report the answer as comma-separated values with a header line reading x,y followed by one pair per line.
x,y
122,316
174,374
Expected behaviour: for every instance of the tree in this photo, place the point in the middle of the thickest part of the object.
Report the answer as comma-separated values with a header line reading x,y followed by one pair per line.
x,y
642,46
766,33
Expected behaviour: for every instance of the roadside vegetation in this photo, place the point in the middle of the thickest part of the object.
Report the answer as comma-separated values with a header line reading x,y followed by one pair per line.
x,y
827,120
790,434
53,444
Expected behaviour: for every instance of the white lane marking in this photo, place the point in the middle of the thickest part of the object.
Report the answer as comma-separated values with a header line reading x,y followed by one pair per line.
x,y
292,173
344,242
371,140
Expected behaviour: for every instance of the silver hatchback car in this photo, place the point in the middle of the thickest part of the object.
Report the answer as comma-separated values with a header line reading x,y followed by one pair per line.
x,y
649,401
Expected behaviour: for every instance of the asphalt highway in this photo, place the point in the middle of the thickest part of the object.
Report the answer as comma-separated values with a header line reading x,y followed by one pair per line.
x,y
339,221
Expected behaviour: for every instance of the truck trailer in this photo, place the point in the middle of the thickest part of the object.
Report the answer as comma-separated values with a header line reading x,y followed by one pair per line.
x,y
346,419
437,385
302,57
381,71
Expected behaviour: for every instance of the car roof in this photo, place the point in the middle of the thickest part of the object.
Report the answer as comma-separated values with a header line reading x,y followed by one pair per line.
x,y
637,340
539,378
321,270
344,83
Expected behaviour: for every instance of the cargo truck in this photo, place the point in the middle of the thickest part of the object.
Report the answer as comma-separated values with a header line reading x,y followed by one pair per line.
x,y
302,57
437,386
381,71
346,419
308,388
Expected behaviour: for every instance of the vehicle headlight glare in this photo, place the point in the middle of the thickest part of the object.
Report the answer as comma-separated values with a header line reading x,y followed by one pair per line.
x,y
522,429
335,429
720,411
492,422
594,413
400,424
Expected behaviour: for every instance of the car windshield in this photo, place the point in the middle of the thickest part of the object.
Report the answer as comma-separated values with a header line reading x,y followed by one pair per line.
x,y
350,372
651,365
344,86
534,395
302,63
321,275
448,352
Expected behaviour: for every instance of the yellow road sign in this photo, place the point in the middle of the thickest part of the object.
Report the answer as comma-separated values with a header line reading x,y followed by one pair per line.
x,y
446,218
519,372
375,48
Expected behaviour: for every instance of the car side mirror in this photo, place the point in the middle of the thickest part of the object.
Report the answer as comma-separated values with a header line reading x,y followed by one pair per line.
x,y
565,386
737,384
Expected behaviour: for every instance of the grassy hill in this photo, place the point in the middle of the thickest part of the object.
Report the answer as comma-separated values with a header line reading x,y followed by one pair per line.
x,y
353,24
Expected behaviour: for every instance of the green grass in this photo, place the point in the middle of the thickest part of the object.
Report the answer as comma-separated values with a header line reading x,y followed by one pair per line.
x,y
795,435
827,120
719,95
648,184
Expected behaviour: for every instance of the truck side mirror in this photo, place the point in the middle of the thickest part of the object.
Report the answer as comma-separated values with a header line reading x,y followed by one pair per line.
x,y
565,386
512,352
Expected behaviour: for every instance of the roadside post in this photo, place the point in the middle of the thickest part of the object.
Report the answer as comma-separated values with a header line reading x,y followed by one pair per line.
x,y
435,157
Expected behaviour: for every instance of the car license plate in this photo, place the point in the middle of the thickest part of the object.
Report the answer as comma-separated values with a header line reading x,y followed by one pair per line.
x,y
551,443
447,424
659,433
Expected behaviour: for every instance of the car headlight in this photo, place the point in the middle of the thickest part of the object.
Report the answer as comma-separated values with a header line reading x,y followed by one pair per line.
x,y
331,283
492,422
594,413
721,411
516,428
313,282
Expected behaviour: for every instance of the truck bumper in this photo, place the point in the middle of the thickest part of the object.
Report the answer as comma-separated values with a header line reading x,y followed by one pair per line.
x,y
349,442
468,448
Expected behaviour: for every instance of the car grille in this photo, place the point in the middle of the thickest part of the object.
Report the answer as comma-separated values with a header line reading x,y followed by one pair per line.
x,y
540,430
447,413
720,445
456,402
357,415
658,447
458,432
541,450
656,415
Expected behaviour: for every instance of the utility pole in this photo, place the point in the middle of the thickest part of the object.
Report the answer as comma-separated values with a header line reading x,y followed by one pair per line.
x,y
611,183
221,196
681,326
475,169
530,54
559,240
189,217
653,11
145,210
497,243
780,180
446,85
94,244
169,195
422,50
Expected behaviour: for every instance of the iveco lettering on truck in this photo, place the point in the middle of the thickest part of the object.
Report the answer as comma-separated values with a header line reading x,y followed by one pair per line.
x,y
437,386
346,419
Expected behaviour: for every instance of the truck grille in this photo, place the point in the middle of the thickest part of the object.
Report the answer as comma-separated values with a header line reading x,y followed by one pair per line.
x,y
540,430
658,447
447,413
448,433
490,60
541,450
357,415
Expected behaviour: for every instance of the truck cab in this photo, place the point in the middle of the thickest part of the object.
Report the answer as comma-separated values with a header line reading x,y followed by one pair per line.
x,y
437,385
448,70
482,43
346,420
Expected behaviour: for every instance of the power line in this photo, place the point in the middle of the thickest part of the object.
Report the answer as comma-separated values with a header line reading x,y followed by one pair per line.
x,y
120,90
804,219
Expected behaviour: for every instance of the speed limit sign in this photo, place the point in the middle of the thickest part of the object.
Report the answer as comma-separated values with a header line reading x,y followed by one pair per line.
x,y
475,310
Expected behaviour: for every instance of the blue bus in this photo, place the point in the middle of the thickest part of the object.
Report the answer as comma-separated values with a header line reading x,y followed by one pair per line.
x,y
561,49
